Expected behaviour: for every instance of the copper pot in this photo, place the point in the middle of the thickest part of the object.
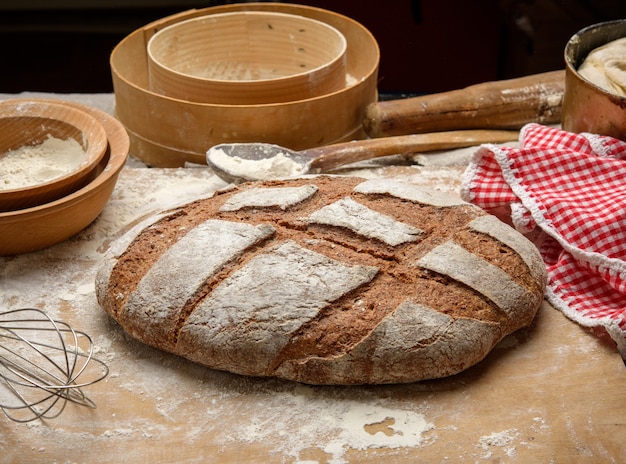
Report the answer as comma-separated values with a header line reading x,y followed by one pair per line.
x,y
587,107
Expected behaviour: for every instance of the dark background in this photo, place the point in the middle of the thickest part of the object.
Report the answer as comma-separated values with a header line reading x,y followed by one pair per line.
x,y
426,46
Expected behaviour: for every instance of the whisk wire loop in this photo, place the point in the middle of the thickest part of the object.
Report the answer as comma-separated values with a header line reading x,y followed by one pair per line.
x,y
41,360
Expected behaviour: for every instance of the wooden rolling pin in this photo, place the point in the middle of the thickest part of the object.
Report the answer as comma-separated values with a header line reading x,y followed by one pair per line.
x,y
506,104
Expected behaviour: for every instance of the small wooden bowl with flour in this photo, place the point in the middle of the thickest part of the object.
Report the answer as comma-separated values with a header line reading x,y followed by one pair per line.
x,y
47,224
47,151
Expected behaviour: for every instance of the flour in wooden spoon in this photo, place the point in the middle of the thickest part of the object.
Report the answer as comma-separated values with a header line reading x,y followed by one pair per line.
x,y
37,164
277,166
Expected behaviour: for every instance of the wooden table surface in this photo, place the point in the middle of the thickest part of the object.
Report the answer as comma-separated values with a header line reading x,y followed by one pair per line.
x,y
551,393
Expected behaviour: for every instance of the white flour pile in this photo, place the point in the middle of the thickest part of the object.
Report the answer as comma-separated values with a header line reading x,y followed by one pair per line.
x,y
37,164
504,440
332,423
276,166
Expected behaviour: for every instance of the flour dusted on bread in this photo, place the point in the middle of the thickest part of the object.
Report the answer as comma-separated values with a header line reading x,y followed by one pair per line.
x,y
324,280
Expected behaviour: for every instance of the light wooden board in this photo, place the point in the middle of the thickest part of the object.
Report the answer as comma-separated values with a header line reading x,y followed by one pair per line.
x,y
549,393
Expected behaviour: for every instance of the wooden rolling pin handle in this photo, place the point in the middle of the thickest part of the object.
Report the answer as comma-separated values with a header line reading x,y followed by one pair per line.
x,y
506,104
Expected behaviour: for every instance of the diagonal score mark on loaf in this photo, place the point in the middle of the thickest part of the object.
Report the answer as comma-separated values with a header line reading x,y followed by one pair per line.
x,y
311,349
164,296
253,313
399,287
352,215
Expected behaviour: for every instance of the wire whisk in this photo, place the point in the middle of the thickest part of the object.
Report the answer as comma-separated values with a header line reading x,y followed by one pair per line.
x,y
41,360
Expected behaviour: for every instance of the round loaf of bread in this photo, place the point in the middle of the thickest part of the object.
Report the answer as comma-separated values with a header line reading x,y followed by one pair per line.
x,y
324,280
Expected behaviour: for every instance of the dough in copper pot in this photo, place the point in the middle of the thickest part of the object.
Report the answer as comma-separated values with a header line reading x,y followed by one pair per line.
x,y
605,67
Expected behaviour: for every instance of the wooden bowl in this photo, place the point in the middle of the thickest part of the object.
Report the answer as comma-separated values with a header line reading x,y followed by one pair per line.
x,y
247,58
586,106
44,225
169,132
52,173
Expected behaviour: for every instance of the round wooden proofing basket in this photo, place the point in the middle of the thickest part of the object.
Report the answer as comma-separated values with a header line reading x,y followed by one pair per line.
x,y
247,58
169,132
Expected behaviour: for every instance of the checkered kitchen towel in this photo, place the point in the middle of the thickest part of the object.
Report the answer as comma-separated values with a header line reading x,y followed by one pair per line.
x,y
569,192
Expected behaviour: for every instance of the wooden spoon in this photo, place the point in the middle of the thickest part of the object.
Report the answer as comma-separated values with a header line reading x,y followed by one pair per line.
x,y
237,162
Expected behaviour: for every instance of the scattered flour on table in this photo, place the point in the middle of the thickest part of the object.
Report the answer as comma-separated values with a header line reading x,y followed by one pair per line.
x,y
133,200
291,420
305,418
403,428
36,164
32,279
502,440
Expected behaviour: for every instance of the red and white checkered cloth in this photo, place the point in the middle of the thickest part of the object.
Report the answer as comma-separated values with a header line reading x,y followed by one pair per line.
x,y
568,191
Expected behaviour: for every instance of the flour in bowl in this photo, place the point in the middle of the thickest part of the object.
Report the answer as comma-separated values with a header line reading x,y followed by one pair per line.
x,y
37,164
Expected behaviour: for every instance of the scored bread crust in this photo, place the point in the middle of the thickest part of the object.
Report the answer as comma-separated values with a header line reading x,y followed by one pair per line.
x,y
324,280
